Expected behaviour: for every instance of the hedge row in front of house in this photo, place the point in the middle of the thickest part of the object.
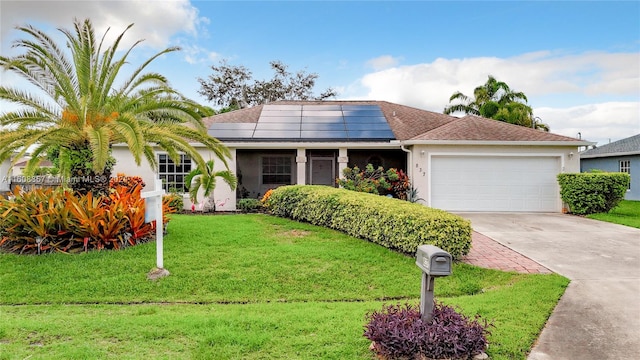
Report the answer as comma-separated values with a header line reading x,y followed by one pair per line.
x,y
393,223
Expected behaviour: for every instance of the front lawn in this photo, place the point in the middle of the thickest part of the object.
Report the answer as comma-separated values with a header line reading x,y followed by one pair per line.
x,y
243,287
626,213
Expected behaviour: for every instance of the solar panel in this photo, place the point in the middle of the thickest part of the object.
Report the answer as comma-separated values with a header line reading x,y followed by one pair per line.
x,y
277,119
362,126
280,113
366,113
278,126
365,120
231,134
323,126
310,122
322,119
360,107
322,107
277,134
321,113
371,134
324,134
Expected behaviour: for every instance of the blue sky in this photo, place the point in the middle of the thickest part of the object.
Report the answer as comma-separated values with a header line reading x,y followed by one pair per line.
x,y
578,62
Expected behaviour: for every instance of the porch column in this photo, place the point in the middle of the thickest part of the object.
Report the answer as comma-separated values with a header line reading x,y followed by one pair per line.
x,y
301,166
343,160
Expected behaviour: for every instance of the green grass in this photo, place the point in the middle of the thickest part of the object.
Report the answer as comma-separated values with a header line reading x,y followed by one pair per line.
x,y
243,287
626,213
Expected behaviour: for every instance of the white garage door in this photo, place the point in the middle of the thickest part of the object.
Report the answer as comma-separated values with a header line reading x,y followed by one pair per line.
x,y
495,183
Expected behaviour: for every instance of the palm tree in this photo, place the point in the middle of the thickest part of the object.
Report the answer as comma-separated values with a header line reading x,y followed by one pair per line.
x,y
83,112
495,100
206,179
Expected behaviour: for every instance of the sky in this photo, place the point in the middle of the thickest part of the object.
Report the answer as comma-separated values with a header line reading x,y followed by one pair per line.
x,y
578,62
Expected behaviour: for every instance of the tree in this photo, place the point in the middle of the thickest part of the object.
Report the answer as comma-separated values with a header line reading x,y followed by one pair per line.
x,y
81,113
206,179
495,100
233,87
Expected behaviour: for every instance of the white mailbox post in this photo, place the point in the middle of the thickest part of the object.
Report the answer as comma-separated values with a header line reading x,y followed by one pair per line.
x,y
153,211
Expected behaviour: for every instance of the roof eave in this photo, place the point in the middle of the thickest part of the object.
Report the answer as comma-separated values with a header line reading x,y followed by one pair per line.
x,y
498,142
626,153
310,145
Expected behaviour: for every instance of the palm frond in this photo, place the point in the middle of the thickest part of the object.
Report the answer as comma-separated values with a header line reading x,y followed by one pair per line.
x,y
150,155
99,141
127,129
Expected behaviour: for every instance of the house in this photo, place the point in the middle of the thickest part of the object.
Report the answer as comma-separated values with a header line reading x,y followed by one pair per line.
x,y
19,167
618,156
456,164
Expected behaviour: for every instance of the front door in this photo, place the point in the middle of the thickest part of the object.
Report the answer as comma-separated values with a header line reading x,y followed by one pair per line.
x,y
322,171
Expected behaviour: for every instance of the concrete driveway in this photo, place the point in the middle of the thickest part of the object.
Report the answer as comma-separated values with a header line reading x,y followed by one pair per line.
x,y
599,315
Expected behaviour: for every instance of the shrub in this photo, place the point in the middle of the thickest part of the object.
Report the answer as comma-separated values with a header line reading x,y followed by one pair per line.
x,y
47,220
175,202
399,182
249,205
369,180
266,196
392,182
124,181
589,193
398,332
393,223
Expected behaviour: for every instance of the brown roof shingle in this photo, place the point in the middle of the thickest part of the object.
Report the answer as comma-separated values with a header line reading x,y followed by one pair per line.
x,y
475,128
409,123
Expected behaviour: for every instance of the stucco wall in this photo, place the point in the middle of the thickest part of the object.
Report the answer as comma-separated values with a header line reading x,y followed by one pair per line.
x,y
612,164
224,197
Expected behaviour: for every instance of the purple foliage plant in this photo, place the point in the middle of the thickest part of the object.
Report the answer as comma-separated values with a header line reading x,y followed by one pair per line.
x,y
398,332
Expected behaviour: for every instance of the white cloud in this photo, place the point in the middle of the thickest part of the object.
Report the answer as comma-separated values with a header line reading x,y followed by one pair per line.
x,y
383,62
600,122
198,55
154,21
596,93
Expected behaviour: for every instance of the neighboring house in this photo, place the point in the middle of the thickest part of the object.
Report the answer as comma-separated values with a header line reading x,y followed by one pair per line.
x,y
618,156
18,168
457,164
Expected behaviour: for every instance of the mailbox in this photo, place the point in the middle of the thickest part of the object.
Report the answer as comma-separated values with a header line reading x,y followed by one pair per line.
x,y
433,260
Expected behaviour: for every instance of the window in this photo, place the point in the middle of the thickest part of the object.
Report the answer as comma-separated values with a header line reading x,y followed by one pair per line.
x,y
172,174
276,170
625,167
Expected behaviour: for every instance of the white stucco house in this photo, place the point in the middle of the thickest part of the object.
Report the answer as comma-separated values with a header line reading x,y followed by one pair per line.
x,y
457,164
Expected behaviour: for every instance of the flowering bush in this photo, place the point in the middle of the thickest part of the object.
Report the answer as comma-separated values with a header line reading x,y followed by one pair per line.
x,y
47,220
398,332
369,180
266,197
392,182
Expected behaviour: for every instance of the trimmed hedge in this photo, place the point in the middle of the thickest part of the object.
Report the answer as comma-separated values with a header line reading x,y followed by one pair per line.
x,y
392,223
590,193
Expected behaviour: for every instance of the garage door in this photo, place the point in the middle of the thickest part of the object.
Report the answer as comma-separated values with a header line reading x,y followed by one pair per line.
x,y
495,183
